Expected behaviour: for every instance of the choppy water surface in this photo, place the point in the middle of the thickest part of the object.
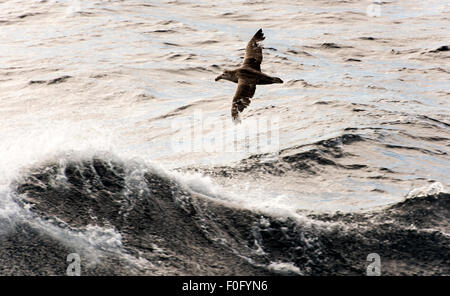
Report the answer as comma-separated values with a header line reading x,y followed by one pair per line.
x,y
95,97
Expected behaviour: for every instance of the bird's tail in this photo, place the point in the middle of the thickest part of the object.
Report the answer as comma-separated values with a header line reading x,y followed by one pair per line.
x,y
276,80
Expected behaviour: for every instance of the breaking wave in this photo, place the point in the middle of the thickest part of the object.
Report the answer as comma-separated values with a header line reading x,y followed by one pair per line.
x,y
127,217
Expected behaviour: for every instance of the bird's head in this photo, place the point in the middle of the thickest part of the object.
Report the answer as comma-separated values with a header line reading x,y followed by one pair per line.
x,y
227,75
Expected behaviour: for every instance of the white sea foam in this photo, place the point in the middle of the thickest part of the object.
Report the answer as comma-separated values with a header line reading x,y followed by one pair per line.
x,y
284,267
10,211
279,206
432,189
23,148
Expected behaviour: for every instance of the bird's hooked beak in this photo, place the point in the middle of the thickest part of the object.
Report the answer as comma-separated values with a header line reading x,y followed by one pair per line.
x,y
219,77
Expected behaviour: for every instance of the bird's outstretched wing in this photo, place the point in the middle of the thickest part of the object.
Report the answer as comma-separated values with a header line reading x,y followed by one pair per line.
x,y
253,52
245,90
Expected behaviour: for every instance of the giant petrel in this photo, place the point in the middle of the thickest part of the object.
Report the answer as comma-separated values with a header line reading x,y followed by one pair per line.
x,y
248,75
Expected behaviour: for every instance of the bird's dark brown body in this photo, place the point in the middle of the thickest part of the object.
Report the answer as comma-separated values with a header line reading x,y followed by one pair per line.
x,y
248,75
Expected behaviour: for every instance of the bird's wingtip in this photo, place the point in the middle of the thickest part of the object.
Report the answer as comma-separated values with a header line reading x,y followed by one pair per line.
x,y
259,35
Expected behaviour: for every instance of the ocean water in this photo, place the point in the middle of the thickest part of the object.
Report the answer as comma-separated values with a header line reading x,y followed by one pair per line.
x,y
118,145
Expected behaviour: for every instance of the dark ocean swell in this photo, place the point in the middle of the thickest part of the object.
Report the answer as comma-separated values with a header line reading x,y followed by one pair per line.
x,y
165,228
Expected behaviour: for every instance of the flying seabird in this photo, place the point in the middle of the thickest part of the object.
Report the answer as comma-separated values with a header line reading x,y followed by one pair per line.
x,y
248,75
